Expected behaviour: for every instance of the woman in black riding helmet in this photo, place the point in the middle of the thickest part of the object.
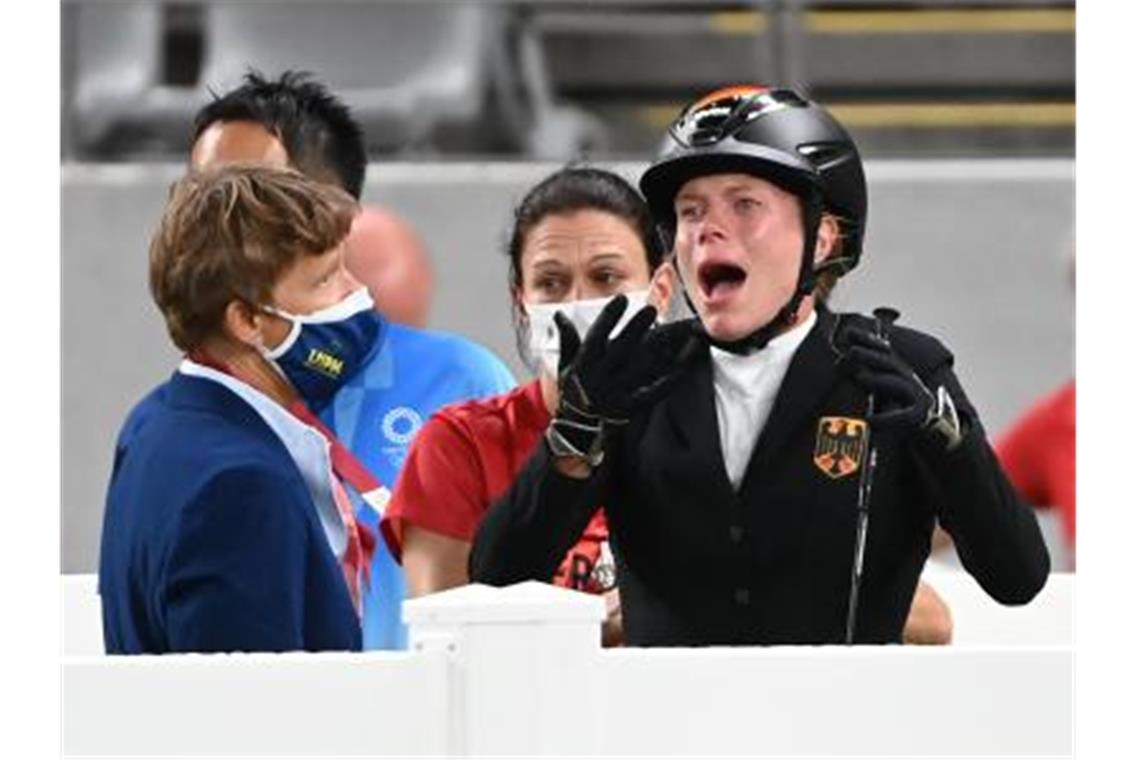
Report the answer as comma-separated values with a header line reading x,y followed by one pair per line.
x,y
778,481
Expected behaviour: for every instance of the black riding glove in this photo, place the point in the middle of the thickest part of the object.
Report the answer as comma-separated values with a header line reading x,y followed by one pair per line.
x,y
902,401
602,382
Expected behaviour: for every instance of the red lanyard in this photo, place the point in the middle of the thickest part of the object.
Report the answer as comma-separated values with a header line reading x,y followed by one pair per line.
x,y
345,464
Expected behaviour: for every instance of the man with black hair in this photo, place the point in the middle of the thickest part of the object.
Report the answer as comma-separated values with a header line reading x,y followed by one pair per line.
x,y
406,373
296,121
294,118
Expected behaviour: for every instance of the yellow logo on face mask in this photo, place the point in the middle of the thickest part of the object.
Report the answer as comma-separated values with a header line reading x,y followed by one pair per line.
x,y
326,364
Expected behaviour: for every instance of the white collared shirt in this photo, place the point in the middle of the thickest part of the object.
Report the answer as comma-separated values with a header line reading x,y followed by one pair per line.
x,y
308,448
745,388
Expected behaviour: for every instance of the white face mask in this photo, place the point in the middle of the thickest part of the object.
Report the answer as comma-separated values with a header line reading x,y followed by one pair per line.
x,y
542,339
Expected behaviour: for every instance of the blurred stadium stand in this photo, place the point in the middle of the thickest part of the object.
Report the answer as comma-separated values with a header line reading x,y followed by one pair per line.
x,y
547,79
404,67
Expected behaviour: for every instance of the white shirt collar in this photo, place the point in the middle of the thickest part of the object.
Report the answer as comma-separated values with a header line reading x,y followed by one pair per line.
x,y
745,389
739,372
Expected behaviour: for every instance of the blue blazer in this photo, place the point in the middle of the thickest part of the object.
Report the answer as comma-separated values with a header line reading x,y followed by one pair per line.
x,y
211,542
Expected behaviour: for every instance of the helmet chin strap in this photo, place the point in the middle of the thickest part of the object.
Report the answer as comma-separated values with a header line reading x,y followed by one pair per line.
x,y
812,212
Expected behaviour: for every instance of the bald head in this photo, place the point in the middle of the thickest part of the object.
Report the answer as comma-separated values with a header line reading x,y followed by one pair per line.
x,y
387,256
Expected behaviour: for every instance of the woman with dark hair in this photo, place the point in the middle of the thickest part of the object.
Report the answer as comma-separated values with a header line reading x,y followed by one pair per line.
x,y
580,236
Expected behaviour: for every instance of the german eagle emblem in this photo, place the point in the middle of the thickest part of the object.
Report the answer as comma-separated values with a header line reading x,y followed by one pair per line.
x,y
839,445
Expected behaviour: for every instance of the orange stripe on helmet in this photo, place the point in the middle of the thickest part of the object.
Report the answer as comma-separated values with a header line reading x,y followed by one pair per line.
x,y
732,91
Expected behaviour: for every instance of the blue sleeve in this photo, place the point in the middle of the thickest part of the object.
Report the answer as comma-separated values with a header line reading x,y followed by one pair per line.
x,y
490,376
235,578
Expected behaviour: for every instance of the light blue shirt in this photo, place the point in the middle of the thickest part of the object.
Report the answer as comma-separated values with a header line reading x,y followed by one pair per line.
x,y
377,415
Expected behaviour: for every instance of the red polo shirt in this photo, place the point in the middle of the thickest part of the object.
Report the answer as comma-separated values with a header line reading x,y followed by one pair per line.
x,y
1039,453
463,459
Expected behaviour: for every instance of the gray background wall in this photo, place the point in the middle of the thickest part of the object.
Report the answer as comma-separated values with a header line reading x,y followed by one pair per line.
x,y
974,252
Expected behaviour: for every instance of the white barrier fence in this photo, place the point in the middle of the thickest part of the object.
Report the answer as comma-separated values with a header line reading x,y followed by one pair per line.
x,y
521,671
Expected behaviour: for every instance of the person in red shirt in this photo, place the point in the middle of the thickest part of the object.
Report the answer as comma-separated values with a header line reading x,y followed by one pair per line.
x,y
1039,454
580,236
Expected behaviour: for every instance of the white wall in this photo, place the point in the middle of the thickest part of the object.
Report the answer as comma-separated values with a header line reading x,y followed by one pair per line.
x,y
288,704
837,701
521,671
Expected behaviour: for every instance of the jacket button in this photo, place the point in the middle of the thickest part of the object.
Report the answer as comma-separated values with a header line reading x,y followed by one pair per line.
x,y
736,533
741,597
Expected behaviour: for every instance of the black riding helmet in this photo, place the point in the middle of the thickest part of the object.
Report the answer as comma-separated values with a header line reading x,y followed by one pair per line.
x,y
778,136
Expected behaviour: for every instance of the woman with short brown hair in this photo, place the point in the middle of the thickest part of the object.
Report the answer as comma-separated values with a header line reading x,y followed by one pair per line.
x,y
221,514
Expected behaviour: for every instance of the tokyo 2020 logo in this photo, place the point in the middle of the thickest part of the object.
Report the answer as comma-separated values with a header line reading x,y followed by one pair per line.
x,y
401,424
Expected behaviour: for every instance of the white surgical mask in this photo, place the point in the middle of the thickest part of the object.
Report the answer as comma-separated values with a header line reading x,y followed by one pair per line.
x,y
542,339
